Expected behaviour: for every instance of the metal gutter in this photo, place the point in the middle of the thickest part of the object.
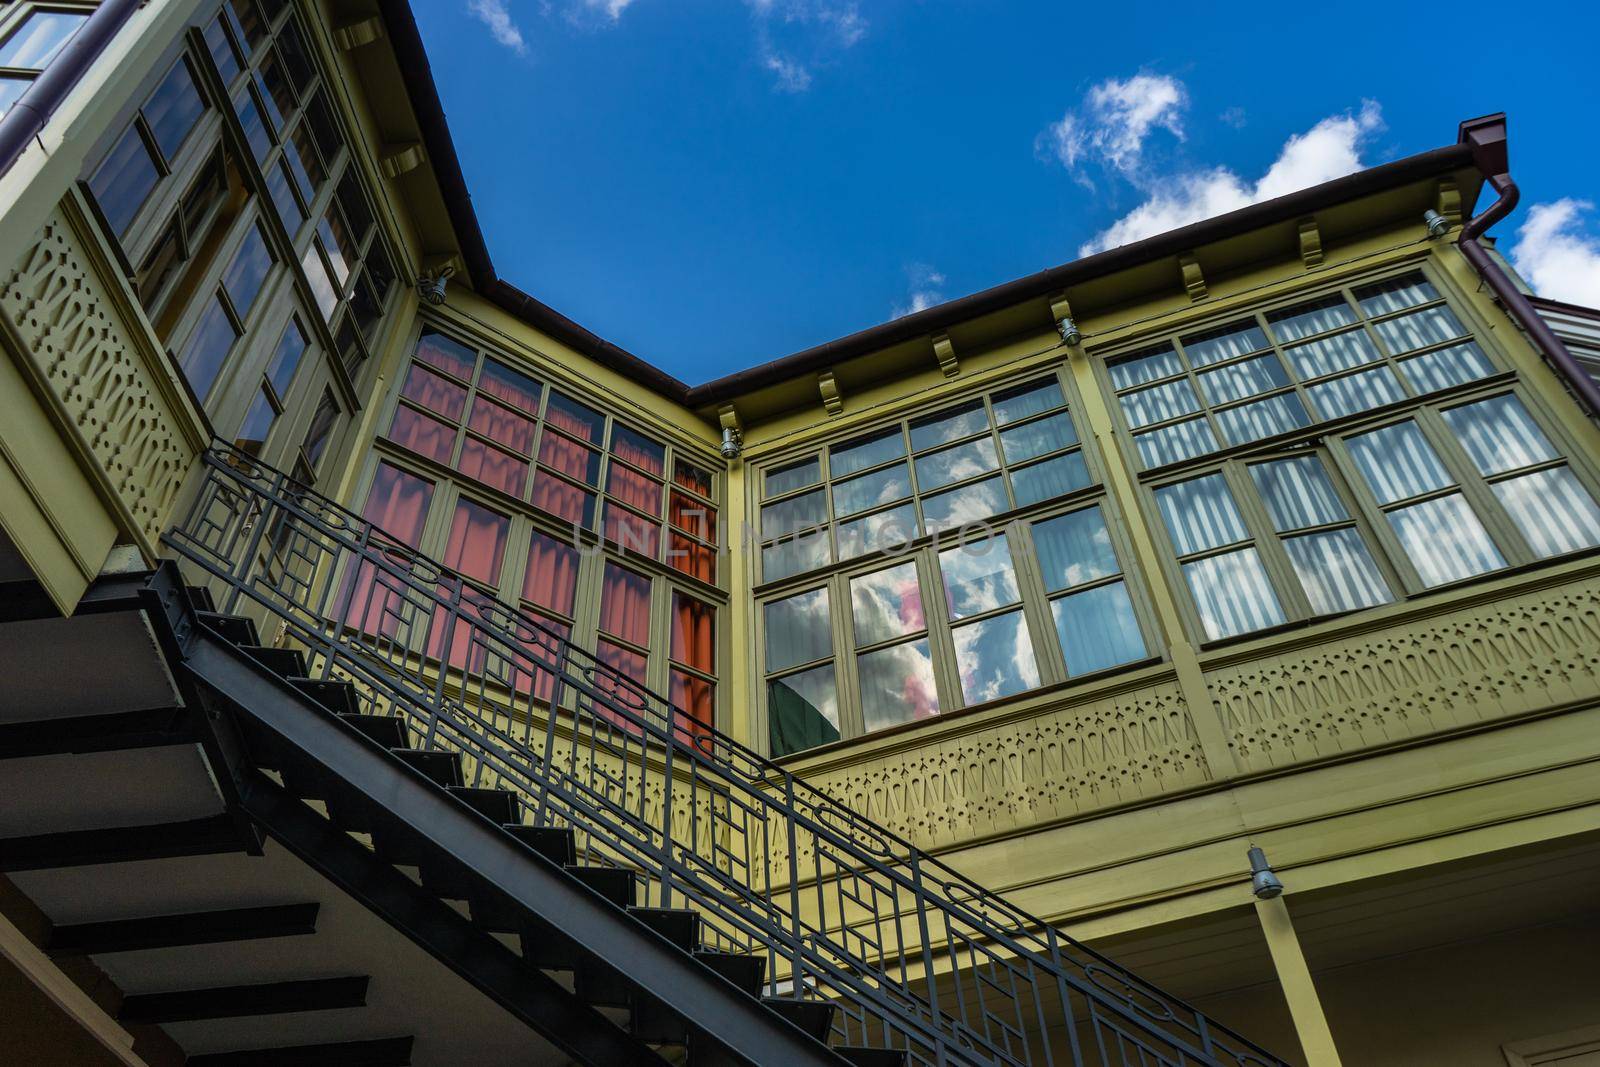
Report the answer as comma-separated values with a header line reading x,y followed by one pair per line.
x,y
29,114
1486,138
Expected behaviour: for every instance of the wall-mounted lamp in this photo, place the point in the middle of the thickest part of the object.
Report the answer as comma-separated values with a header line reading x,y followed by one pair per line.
x,y
1069,332
1263,882
732,443
1438,225
431,286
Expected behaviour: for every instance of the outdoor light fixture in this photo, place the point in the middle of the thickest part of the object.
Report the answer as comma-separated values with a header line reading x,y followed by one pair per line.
x,y
1069,332
1438,225
732,443
1263,883
431,286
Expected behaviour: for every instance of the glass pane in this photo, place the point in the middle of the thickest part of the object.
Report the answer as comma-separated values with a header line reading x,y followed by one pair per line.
x,y
1025,400
1245,378
1232,593
1298,493
634,489
173,110
889,530
551,580
252,436
1052,478
321,428
297,166
1330,354
1398,462
40,39
574,418
1553,510
1159,403
124,180
886,604
1426,327
1445,540
695,560
625,605
422,434
222,52
995,658
250,21
1432,371
339,246
1308,319
1200,514
948,426
1356,392
492,466
859,455
794,476
247,271
637,449
446,353
1097,629
897,685
978,577
1337,572
1038,437
955,464
322,287
692,515
562,499
11,90
295,59
1499,435
802,711
1213,346
501,425
1073,549
691,698
570,458
279,98
798,630
398,504
632,532
1180,441
285,358
1397,294
1262,418
872,490
970,504
797,513
801,553
208,348
1145,367
283,199
629,664
477,542
691,641
691,477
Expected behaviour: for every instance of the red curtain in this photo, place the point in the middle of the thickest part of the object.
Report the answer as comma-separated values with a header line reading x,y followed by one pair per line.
x,y
450,356
397,503
631,666
693,643
638,450
567,414
691,698
422,434
692,516
477,542
518,390
631,531
491,466
434,393
691,477
625,606
570,458
502,425
555,497
552,578
634,489
693,559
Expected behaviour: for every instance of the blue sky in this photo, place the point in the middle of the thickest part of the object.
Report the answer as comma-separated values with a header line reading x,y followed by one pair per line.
x,y
716,183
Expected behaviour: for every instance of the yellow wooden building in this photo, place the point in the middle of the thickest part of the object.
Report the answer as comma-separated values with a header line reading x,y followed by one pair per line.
x,y
1225,605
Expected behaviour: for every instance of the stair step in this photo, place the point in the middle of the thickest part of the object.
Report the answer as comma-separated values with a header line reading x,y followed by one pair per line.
x,y
235,628
387,730
498,805
555,844
337,697
200,597
815,1017
873,1057
287,662
613,883
654,1023
444,768
746,972
599,985
678,925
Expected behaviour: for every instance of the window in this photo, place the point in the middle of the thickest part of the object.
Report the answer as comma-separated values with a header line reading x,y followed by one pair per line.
x,y
147,151
1012,449
802,690
27,46
225,320
1273,373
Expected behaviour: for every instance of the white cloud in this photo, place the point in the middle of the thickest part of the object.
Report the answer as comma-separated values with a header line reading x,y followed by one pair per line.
x,y
495,15
926,290
608,10
788,76
1556,257
793,37
1235,117
1114,121
1330,149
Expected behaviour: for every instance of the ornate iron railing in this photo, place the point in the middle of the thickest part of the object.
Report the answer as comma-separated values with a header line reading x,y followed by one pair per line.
x,y
916,956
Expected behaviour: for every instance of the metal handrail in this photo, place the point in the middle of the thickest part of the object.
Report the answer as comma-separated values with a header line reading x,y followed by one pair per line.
x,y
916,956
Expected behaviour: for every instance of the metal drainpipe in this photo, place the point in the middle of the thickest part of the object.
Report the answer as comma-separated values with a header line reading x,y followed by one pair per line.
x,y
1487,136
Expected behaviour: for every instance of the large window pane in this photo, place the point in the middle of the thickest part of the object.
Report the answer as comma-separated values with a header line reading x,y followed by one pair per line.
x,y
1145,367
1330,354
477,542
492,466
1445,367
1499,435
1159,403
797,513
897,685
1245,378
859,455
1038,437
794,476
124,180
995,658
798,630
1426,327
1097,629
955,464
422,434
948,426
978,577
800,553
1049,478
1298,493
1200,514
1073,549
1308,319
562,500
501,425
1214,346
434,392
961,507
173,110
247,272
886,604
569,457
551,580
1263,418
1180,441
208,349
1232,593
881,530
1398,462
1356,392
625,605
1445,540
1553,510
872,490
285,358
1337,571
802,710
40,38
1025,400
446,353
692,641
639,450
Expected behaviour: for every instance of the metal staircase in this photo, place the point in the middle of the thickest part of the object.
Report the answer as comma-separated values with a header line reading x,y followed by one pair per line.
x,y
558,787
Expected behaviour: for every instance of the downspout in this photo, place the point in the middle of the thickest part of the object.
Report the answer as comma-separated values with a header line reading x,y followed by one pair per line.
x,y
1487,138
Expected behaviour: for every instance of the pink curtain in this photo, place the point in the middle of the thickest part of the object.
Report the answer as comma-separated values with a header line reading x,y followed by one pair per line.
x,y
477,542
434,393
637,449
692,516
552,578
422,434
693,559
502,425
568,415
625,606
691,477
691,699
398,504
503,383
632,532
693,643
555,497
570,458
450,356
634,489
491,466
